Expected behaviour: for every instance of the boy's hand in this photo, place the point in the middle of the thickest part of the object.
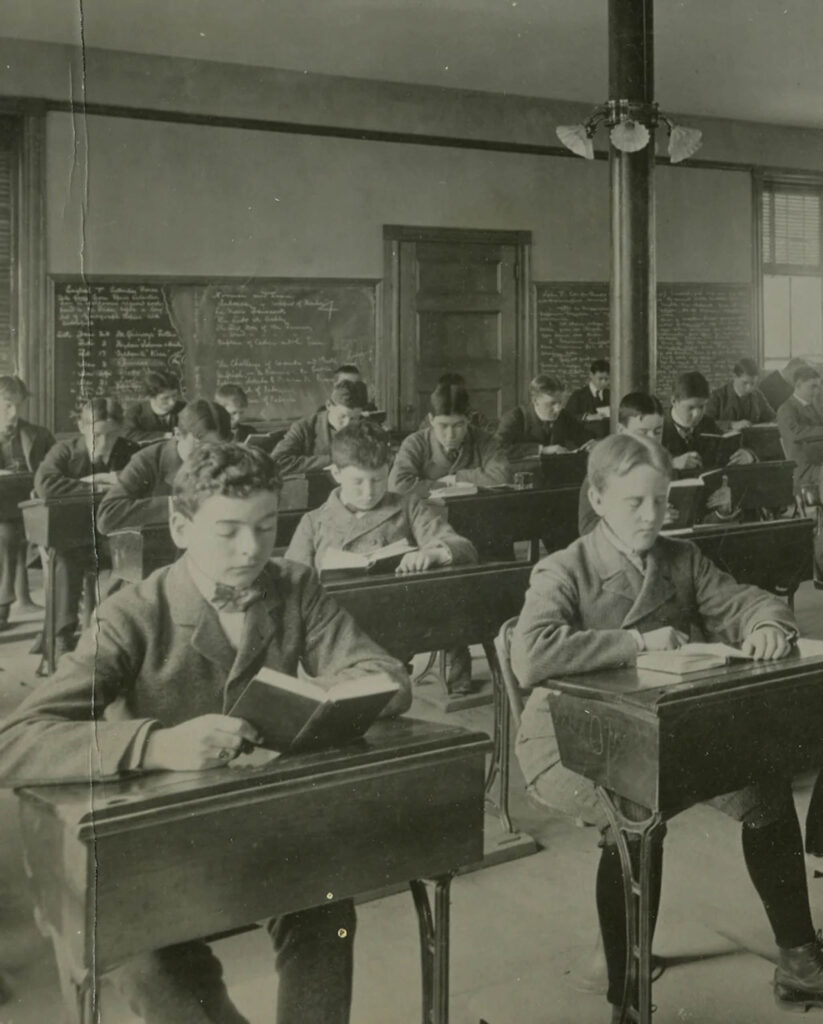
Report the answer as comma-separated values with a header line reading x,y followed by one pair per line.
x,y
721,499
416,561
448,481
209,741
667,638
742,457
689,460
741,424
671,516
553,449
767,643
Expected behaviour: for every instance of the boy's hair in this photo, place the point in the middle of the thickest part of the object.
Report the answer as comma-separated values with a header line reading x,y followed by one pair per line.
x,y
222,468
543,384
746,368
350,393
362,443
600,366
13,389
638,403
345,368
157,381
456,380
231,391
200,417
691,385
449,400
102,409
804,373
619,454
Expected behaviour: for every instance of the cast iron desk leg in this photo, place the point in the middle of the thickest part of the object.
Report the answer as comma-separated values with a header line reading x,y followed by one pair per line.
x,y
501,748
637,994
47,558
434,947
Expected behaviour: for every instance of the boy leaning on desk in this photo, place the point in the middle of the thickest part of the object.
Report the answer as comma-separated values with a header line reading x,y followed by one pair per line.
x,y
623,589
147,690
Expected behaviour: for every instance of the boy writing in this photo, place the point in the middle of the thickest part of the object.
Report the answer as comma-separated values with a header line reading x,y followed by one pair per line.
x,y
307,445
623,589
156,415
233,399
174,652
543,426
740,403
686,421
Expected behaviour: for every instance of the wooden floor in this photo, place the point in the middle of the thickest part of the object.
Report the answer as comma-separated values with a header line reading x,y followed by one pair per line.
x,y
522,932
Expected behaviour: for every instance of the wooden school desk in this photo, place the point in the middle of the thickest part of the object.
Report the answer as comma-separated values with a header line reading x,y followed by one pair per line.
x,y
14,488
667,744
125,867
60,524
452,607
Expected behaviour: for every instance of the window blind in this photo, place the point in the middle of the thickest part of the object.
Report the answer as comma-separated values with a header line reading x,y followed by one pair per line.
x,y
790,219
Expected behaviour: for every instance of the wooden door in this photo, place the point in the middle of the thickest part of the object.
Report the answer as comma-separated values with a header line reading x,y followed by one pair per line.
x,y
459,302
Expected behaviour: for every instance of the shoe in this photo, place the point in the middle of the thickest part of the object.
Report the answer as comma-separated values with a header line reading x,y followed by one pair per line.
x,y
798,979
458,672
63,644
4,616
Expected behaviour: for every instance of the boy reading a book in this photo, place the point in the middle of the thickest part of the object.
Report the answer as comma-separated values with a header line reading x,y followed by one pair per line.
x,y
686,423
141,492
542,426
234,400
591,402
156,416
622,589
307,444
148,690
740,403
449,450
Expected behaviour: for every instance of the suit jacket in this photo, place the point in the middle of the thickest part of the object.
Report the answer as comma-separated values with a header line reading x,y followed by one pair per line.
x,y
307,445
35,442
60,473
141,493
581,602
521,433
582,402
158,654
241,432
421,461
397,517
143,423
801,431
674,443
725,406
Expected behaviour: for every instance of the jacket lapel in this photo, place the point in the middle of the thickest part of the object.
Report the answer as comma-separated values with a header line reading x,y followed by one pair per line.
x,y
261,628
657,588
358,526
190,610
641,594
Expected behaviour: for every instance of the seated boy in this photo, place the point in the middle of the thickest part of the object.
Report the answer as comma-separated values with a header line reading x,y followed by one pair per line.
x,y
662,590
22,448
475,416
362,514
101,450
141,492
449,450
156,415
586,403
740,403
801,430
173,653
307,445
543,427
642,415
233,399
686,421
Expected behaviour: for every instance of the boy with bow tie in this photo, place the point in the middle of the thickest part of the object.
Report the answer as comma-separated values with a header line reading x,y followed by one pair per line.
x,y
622,589
168,658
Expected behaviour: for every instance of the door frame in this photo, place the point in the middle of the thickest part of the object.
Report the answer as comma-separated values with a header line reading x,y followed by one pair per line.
x,y
387,365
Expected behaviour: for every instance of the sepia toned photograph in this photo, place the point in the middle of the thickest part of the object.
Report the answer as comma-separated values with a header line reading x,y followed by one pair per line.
x,y
411,511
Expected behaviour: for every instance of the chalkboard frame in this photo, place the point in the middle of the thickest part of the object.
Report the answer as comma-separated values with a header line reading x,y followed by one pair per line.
x,y
53,280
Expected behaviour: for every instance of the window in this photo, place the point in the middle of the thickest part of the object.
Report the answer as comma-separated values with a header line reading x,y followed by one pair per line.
x,y
790,271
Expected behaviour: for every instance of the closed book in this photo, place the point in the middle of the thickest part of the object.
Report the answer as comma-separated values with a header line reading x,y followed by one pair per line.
x,y
687,499
717,449
297,714
458,490
335,563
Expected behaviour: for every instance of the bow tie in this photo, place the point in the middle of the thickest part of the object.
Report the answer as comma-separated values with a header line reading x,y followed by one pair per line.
x,y
236,599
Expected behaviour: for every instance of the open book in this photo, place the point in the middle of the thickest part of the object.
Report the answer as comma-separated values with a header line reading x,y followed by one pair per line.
x,y
694,657
297,714
717,449
458,490
335,562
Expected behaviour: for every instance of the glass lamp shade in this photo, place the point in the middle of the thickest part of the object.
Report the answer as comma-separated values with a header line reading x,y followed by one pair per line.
x,y
629,136
576,138
683,143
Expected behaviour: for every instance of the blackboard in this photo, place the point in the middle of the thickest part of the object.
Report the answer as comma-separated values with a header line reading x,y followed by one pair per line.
x,y
279,339
706,327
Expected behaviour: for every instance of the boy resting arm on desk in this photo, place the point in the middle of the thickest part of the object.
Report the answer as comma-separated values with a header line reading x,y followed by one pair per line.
x,y
362,515
623,589
307,444
150,686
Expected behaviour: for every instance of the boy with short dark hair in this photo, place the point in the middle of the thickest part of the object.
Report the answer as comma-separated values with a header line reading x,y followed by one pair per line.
x,y
801,429
23,447
99,450
475,416
140,494
623,589
449,450
590,403
174,653
686,421
234,400
543,426
307,444
155,416
740,403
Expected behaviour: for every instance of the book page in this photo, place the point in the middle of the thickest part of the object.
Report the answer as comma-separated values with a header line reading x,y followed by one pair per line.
x,y
304,687
349,688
